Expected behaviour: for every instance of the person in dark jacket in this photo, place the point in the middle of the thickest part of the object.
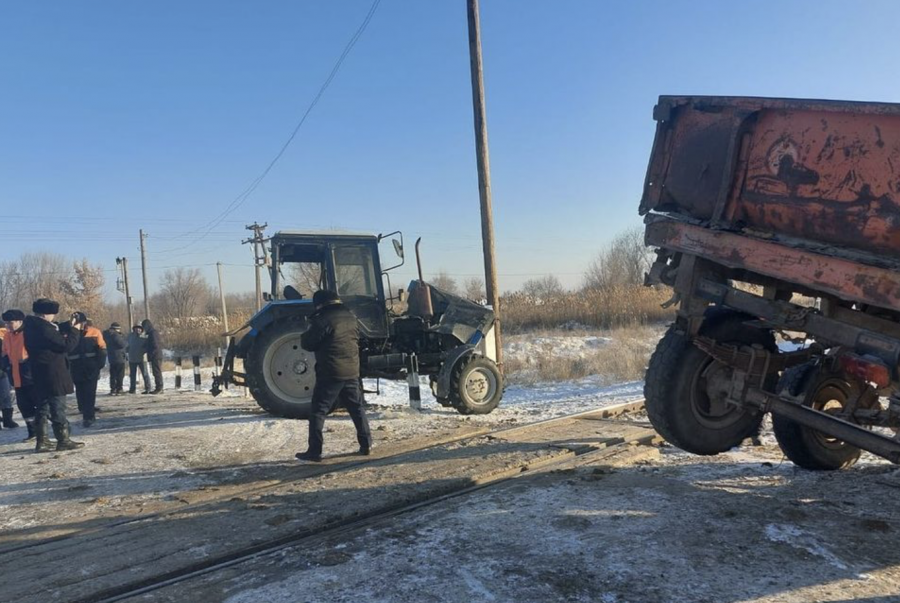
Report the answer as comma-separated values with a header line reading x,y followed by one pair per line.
x,y
15,360
85,362
115,354
6,402
48,346
333,335
137,350
154,354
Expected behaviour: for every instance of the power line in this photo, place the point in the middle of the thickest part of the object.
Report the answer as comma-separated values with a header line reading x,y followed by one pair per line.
x,y
245,194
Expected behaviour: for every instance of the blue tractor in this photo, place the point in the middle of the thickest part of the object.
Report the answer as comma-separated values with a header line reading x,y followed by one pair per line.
x,y
446,337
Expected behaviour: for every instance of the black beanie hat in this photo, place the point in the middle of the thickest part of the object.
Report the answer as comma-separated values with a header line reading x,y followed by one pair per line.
x,y
79,317
45,306
115,325
325,297
13,315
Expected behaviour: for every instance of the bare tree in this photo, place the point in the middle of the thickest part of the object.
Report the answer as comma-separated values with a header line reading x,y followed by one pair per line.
x,y
474,288
184,290
623,262
445,282
306,277
84,291
544,287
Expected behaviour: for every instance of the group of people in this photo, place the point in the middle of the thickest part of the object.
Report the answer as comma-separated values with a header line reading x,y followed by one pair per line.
x,y
44,361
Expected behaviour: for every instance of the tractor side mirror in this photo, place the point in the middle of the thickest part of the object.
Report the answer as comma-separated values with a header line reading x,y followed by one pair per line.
x,y
398,248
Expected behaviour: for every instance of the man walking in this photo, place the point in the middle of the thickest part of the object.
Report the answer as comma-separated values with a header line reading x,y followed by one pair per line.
x,y
334,337
86,361
15,359
115,353
48,346
154,354
137,349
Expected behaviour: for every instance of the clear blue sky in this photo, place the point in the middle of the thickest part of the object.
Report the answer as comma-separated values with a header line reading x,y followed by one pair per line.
x,y
120,115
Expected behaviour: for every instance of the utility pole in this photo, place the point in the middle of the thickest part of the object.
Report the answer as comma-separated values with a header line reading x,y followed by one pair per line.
x,y
222,298
129,302
260,258
144,275
484,170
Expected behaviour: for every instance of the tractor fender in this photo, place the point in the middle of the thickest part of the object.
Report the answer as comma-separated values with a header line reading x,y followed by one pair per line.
x,y
442,389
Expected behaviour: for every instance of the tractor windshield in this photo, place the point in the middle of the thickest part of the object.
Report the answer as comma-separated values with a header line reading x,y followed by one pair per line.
x,y
355,271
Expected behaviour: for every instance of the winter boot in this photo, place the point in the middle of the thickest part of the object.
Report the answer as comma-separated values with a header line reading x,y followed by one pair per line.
x,y
42,442
8,419
29,423
61,430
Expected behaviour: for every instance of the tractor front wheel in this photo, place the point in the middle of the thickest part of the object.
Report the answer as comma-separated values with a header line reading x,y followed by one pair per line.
x,y
476,386
281,374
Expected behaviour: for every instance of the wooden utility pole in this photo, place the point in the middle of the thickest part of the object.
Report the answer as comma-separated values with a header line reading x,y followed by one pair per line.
x,y
484,170
129,302
260,259
144,275
222,298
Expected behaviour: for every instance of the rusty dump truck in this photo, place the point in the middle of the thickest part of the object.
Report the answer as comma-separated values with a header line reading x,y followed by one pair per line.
x,y
777,217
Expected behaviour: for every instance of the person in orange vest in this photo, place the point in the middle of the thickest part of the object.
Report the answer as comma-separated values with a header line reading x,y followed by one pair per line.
x,y
14,358
6,403
85,363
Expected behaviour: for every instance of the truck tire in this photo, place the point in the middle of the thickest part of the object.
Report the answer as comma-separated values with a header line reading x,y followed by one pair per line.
x,y
804,446
280,374
676,388
476,386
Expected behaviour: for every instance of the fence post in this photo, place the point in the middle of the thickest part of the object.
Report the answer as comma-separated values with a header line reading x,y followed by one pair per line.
x,y
196,360
412,377
178,372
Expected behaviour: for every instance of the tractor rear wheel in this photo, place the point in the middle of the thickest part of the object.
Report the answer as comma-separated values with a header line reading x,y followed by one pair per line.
x,y
685,389
476,386
281,374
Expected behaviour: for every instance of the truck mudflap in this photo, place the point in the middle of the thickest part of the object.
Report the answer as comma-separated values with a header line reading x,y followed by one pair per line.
x,y
751,366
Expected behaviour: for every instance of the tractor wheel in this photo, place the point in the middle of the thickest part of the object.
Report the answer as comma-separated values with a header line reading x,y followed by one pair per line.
x,y
445,402
685,388
476,386
804,446
280,374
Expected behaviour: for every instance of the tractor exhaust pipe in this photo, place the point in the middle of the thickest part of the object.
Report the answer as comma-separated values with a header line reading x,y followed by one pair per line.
x,y
420,297
419,260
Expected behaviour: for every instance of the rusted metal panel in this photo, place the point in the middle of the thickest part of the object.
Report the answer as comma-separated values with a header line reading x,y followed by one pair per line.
x,y
845,279
824,171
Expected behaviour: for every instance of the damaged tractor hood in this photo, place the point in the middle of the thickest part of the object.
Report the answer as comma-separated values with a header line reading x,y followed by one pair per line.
x,y
457,316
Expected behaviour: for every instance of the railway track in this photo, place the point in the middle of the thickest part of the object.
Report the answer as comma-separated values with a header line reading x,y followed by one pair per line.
x,y
160,545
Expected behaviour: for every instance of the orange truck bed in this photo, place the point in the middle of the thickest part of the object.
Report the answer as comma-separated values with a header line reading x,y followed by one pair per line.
x,y
806,191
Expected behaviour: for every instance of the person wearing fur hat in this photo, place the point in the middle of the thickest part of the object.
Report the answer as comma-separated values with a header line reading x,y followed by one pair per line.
x,y
6,402
154,354
115,353
333,335
15,360
48,346
85,363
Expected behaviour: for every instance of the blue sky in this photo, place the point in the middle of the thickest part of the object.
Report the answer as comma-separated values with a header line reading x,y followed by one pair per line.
x,y
121,115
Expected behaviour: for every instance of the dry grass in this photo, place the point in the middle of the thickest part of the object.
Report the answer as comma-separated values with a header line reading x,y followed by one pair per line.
x,y
610,308
624,358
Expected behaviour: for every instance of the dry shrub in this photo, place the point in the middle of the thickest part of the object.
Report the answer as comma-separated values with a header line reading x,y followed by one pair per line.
x,y
624,358
197,335
608,308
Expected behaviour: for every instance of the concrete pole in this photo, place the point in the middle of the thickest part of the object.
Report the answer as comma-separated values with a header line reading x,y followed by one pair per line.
x,y
484,170
144,275
222,299
129,303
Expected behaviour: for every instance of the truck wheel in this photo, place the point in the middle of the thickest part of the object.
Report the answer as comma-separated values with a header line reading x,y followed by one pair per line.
x,y
476,386
804,446
280,374
685,388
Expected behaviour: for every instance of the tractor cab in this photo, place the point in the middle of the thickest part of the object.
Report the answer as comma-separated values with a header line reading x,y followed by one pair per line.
x,y
349,263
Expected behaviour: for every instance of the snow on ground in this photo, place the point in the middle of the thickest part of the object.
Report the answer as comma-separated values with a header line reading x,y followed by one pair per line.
x,y
145,448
